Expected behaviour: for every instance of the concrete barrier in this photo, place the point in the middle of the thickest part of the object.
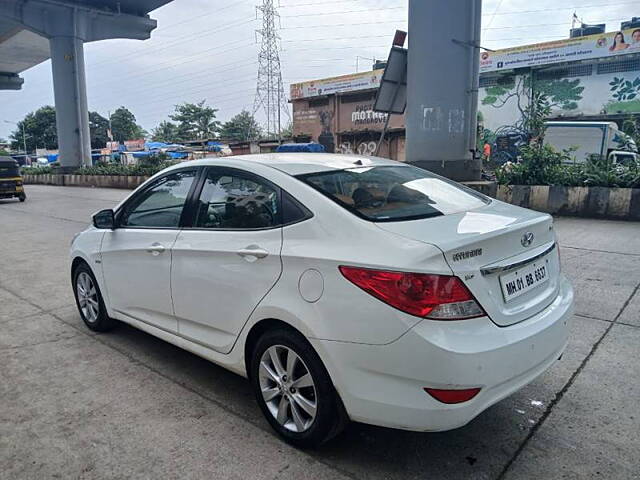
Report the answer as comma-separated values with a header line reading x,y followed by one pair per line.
x,y
593,202
104,181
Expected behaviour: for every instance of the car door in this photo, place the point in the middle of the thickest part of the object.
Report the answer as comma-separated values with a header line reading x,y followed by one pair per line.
x,y
136,256
230,258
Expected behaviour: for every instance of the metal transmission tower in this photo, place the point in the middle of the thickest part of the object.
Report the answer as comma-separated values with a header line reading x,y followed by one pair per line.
x,y
270,91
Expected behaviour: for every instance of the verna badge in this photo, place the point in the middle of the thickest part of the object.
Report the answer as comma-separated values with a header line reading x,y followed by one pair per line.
x,y
527,239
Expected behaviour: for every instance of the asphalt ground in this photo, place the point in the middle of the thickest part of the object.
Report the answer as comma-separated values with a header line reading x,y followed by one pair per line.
x,y
74,404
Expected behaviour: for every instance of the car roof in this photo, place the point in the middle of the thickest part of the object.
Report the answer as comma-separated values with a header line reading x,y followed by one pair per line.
x,y
300,163
8,160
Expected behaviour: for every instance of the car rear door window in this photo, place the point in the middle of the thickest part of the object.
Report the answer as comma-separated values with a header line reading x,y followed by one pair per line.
x,y
389,193
232,200
161,205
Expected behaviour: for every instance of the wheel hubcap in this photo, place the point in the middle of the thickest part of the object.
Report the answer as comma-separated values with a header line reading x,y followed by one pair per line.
x,y
287,388
87,297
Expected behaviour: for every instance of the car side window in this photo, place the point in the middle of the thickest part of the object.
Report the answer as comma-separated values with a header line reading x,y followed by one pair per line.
x,y
237,201
161,205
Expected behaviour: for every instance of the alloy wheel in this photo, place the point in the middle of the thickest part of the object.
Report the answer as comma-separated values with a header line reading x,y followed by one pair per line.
x,y
87,297
287,388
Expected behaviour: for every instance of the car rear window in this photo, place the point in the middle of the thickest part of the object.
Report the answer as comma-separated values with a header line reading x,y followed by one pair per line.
x,y
392,194
8,169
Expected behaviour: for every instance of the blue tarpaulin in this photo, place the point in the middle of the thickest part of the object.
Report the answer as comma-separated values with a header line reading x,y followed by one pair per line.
x,y
301,147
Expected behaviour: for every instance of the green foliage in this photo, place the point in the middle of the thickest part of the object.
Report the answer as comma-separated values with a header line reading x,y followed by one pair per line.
x,y
196,121
543,165
497,92
98,126
242,128
287,132
631,126
40,130
625,89
36,170
546,168
124,126
535,116
143,168
563,93
165,132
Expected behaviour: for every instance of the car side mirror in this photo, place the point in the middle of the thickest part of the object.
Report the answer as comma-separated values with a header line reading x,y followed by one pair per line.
x,y
104,219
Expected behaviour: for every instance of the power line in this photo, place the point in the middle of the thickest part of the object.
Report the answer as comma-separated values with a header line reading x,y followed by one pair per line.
x,y
494,14
368,10
269,89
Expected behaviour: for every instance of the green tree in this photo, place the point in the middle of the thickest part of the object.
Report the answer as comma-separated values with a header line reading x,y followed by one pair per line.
x,y
40,130
165,132
196,121
242,127
98,126
124,126
287,132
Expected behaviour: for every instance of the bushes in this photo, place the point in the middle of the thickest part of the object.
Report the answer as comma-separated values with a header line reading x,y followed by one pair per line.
x,y
36,170
143,168
544,167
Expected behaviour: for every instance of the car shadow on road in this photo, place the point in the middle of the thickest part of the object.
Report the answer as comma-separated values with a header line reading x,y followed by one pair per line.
x,y
481,448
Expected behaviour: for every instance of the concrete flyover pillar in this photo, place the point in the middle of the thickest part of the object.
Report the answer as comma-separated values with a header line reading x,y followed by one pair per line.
x,y
67,25
70,91
442,86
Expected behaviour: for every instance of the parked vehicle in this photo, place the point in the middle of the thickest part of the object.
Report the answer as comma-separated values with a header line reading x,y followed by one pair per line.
x,y
344,287
11,180
591,138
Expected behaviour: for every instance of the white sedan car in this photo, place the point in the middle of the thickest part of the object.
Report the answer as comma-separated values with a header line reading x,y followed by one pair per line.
x,y
344,287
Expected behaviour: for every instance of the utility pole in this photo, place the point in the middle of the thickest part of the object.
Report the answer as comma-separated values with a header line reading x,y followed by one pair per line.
x,y
270,95
442,87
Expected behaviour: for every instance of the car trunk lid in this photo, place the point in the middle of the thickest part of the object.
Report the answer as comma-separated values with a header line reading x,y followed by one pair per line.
x,y
505,255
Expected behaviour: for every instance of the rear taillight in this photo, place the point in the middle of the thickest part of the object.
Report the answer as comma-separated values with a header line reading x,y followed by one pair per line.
x,y
440,297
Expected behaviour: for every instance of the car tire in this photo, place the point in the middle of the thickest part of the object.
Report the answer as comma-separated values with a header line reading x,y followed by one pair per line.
x,y
22,197
315,394
89,300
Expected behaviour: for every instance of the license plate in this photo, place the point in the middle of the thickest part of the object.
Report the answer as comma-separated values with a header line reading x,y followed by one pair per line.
x,y
524,279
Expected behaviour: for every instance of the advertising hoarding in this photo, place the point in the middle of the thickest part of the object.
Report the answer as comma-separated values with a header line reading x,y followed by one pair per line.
x,y
569,50
344,83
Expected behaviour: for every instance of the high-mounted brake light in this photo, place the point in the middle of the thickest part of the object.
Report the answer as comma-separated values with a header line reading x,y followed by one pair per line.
x,y
439,297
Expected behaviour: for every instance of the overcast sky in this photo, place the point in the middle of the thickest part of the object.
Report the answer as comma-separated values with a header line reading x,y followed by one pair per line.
x,y
206,49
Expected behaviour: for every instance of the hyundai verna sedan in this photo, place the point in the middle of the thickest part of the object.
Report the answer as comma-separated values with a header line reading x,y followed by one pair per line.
x,y
344,287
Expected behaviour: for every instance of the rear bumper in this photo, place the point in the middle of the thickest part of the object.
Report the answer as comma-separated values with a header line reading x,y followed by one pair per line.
x,y
383,384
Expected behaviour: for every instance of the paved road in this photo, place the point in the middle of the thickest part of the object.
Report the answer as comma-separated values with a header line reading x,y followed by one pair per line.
x,y
124,404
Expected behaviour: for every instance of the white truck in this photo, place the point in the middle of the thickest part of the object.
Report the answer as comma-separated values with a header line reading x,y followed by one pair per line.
x,y
592,138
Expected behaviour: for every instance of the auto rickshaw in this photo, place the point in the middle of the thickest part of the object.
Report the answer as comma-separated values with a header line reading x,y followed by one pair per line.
x,y
11,180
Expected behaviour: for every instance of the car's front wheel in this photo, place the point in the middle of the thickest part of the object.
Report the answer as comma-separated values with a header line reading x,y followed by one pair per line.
x,y
89,300
294,390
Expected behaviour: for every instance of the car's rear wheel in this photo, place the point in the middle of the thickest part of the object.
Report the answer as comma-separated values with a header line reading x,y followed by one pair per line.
x,y
294,390
89,300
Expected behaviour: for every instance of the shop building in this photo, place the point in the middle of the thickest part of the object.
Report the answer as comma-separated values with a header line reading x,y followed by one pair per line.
x,y
594,77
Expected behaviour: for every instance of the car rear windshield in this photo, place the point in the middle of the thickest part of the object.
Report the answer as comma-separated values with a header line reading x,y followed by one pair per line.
x,y
392,194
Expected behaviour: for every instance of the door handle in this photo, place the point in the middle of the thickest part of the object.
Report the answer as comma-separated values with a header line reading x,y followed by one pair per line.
x,y
156,249
252,251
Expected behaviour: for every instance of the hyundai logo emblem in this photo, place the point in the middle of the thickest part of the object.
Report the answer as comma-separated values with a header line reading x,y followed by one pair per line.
x,y
527,239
